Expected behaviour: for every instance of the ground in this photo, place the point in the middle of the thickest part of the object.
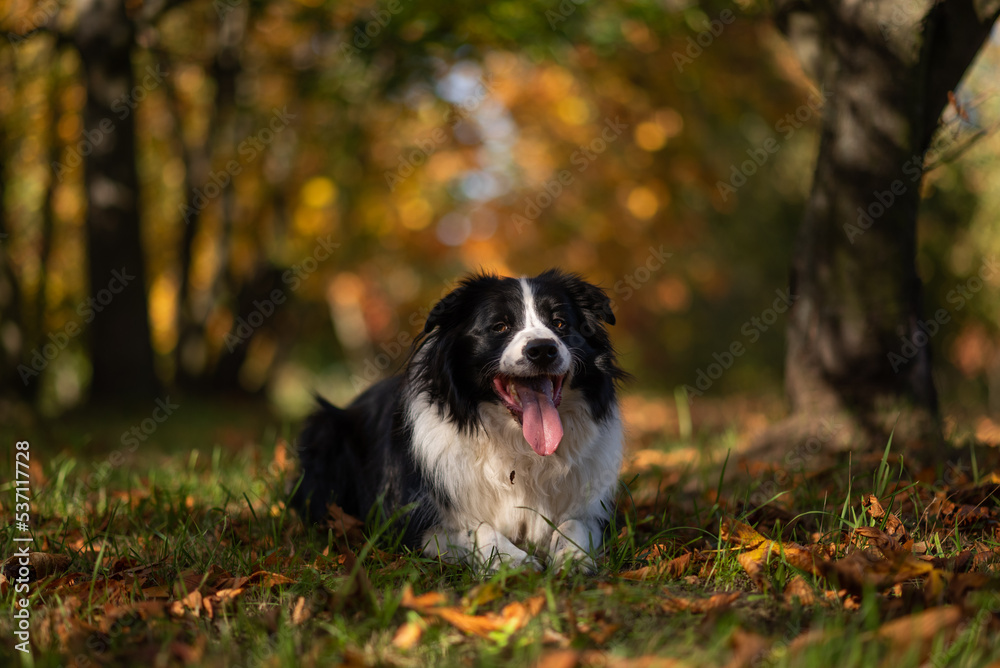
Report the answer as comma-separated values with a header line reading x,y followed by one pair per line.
x,y
182,552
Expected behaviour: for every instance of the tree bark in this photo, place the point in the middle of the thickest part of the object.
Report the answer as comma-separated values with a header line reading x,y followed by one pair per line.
x,y
887,68
120,344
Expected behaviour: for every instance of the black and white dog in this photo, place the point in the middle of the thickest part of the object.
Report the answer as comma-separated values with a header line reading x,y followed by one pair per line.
x,y
502,435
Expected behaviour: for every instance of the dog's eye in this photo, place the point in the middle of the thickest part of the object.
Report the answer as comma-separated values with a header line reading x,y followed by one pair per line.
x,y
500,327
558,323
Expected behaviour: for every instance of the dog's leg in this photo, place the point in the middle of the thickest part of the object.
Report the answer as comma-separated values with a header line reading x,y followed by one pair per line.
x,y
482,547
574,544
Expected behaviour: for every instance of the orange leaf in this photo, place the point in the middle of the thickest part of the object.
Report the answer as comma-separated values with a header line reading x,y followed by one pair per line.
x,y
158,591
407,635
266,579
739,533
699,605
672,568
513,616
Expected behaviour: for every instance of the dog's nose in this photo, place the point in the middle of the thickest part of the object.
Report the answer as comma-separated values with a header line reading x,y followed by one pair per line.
x,y
541,351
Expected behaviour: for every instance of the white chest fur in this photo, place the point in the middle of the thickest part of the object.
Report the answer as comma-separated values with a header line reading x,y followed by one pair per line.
x,y
493,476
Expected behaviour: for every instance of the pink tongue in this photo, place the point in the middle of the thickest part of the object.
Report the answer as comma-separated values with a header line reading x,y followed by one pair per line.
x,y
540,422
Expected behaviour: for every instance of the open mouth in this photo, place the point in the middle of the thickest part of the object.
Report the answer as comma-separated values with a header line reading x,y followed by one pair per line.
x,y
533,401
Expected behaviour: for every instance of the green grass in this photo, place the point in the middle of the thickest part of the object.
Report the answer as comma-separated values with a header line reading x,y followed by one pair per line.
x,y
195,509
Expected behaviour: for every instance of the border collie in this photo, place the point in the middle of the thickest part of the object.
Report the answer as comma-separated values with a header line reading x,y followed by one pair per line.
x,y
501,439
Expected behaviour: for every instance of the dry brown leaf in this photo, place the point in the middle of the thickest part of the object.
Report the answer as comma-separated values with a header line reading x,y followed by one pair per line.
x,y
157,591
357,589
281,463
481,595
189,654
921,628
39,565
893,525
559,658
266,579
699,605
799,590
407,635
872,505
601,632
604,660
300,613
227,594
867,569
428,600
343,525
551,637
747,649
885,543
740,534
193,602
513,616
672,568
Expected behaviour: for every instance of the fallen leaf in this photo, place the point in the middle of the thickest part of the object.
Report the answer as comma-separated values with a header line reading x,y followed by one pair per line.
x,y
35,566
481,595
299,612
748,647
157,591
671,568
407,635
513,616
799,590
559,658
891,523
266,580
343,525
699,605
921,629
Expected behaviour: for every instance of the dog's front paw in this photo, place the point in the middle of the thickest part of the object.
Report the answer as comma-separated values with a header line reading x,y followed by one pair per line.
x,y
569,548
572,560
512,559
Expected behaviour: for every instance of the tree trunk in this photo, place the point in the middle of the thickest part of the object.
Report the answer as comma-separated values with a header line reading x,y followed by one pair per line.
x,y
120,345
857,354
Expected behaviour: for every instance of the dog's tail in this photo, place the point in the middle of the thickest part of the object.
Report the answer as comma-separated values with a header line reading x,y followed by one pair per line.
x,y
321,471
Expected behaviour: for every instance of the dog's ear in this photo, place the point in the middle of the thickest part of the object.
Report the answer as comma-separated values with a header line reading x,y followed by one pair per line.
x,y
593,300
444,311
452,307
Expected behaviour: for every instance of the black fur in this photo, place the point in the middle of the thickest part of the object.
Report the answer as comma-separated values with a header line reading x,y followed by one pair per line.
x,y
363,453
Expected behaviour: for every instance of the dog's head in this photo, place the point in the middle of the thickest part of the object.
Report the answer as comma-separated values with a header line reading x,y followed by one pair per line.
x,y
519,343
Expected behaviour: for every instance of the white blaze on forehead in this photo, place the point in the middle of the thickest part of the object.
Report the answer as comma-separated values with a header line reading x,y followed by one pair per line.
x,y
531,319
513,361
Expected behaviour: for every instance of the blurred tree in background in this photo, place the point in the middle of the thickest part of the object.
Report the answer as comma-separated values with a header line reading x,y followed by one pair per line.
x,y
858,347
312,176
